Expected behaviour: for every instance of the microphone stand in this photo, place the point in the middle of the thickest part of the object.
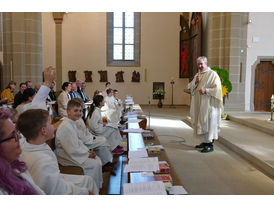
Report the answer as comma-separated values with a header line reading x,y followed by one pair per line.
x,y
149,115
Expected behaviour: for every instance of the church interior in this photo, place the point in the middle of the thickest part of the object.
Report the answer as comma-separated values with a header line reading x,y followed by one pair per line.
x,y
165,48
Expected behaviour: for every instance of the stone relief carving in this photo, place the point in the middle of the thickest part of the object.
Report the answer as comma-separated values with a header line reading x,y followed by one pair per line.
x,y
119,76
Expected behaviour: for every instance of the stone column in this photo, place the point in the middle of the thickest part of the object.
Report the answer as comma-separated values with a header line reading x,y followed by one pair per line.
x,y
58,19
226,48
22,47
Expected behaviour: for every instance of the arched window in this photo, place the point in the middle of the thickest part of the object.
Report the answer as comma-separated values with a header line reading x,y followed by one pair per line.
x,y
123,39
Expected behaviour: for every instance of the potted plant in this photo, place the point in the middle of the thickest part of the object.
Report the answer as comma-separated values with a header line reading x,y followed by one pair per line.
x,y
159,94
226,84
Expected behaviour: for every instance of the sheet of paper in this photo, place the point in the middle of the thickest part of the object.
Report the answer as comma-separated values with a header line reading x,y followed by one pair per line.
x,y
132,113
134,121
147,174
149,164
137,130
177,190
145,188
140,153
131,116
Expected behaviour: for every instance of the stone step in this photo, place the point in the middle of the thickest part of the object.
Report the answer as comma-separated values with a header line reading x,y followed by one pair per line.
x,y
251,144
262,124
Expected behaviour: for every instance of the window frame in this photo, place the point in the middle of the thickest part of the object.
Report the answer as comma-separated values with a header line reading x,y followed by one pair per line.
x,y
137,32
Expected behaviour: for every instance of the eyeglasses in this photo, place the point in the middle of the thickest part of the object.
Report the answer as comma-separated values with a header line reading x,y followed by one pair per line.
x,y
15,136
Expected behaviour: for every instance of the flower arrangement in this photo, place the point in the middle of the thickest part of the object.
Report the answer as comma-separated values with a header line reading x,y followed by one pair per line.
x,y
224,76
159,93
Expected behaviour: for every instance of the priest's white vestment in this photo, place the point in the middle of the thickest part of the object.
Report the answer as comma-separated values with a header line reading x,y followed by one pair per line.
x,y
206,109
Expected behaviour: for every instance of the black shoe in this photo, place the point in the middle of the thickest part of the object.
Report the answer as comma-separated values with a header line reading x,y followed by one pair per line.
x,y
199,146
207,149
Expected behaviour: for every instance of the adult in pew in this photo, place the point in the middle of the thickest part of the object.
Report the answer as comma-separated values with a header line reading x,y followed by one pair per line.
x,y
206,105
38,101
73,93
18,98
8,92
51,97
108,86
35,125
63,99
29,84
98,144
71,151
14,177
97,127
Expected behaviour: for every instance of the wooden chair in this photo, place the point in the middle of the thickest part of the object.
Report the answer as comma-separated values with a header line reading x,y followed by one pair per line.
x,y
75,170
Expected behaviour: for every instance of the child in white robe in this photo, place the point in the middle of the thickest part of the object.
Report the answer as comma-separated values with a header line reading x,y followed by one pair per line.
x,y
112,108
35,125
118,103
97,127
71,151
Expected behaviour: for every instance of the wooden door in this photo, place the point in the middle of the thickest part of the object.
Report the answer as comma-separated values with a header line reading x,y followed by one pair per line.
x,y
264,86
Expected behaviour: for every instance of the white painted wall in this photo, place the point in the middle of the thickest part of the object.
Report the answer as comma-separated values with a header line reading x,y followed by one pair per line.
x,y
84,48
262,28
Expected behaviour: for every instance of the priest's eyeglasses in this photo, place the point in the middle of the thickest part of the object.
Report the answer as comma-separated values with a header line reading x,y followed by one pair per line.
x,y
15,135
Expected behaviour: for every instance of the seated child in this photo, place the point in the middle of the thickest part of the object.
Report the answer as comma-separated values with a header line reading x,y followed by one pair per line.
x,y
97,127
98,144
71,151
35,125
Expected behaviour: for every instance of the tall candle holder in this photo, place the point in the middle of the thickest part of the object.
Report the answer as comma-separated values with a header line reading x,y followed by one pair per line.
x,y
172,83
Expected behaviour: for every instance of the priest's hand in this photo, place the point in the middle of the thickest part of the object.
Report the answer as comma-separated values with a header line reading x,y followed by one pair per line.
x,y
90,193
202,91
91,155
197,79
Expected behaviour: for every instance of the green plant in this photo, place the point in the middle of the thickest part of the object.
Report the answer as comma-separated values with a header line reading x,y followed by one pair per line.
x,y
224,76
159,93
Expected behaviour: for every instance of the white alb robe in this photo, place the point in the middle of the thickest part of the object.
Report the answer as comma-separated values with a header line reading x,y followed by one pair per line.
x,y
98,144
38,102
70,150
43,167
112,111
95,126
206,109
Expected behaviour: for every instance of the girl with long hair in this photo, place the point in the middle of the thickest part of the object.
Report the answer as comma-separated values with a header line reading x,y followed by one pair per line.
x,y
97,127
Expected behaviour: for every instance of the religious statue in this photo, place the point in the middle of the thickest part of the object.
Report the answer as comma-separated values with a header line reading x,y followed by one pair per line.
x,y
103,76
72,76
135,76
88,76
119,76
